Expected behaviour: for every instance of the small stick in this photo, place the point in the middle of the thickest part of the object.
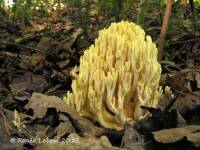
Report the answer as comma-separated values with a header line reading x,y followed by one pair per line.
x,y
22,46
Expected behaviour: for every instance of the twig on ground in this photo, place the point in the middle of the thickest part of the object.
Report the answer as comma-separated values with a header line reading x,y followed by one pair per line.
x,y
22,46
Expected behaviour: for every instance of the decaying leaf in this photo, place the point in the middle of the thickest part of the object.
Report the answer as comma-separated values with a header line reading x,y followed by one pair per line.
x,y
22,96
180,120
37,59
28,82
190,132
40,103
25,62
5,124
44,43
63,63
7,118
64,128
132,139
180,81
187,102
20,83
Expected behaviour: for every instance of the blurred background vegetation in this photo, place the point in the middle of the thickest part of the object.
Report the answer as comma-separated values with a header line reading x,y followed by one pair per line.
x,y
25,10
146,13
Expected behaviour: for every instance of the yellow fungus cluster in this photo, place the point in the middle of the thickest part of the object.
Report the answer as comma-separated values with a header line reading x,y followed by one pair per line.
x,y
117,75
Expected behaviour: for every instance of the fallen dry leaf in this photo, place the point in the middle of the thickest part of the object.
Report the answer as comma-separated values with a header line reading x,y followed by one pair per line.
x,y
22,96
64,128
190,132
28,82
44,43
20,83
7,117
5,125
180,120
181,81
37,59
40,103
132,140
186,102
25,62
63,63
40,131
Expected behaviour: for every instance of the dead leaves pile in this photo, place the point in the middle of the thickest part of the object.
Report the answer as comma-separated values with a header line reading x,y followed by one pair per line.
x,y
39,61
49,117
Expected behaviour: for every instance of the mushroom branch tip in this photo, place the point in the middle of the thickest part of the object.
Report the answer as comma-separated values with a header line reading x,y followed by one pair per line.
x,y
117,75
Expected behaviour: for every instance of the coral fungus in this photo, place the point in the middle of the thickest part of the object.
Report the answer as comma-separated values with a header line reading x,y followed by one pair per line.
x,y
117,75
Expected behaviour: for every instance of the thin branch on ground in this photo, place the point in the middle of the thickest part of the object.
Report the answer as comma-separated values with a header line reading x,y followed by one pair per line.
x,y
22,46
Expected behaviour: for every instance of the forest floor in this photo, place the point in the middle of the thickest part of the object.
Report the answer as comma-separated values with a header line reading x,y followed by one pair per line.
x,y
41,57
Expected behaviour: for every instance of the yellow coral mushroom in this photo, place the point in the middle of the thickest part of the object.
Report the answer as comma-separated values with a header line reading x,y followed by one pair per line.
x,y
117,75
